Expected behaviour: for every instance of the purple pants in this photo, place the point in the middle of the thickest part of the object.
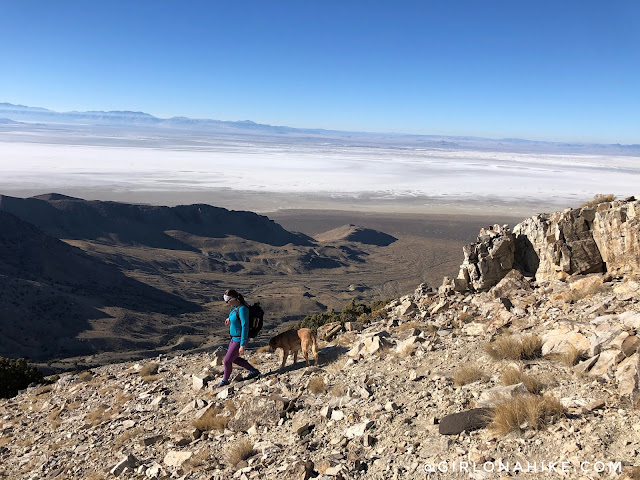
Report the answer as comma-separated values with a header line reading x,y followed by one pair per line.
x,y
232,357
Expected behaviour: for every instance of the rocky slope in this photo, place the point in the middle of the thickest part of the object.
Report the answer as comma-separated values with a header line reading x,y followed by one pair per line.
x,y
434,379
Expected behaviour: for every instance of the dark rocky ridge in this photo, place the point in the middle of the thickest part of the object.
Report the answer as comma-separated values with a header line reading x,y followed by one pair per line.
x,y
113,222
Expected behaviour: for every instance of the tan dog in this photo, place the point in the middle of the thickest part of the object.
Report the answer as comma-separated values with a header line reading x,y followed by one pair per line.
x,y
293,341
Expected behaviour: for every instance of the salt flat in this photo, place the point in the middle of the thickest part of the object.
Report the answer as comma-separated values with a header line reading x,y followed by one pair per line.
x,y
267,174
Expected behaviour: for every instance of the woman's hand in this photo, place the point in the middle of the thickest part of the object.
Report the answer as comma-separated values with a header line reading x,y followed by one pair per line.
x,y
241,350
227,321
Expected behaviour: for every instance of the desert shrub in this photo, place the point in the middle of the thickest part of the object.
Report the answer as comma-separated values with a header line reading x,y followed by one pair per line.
x,y
316,385
531,347
570,357
507,347
212,419
467,374
351,312
149,369
513,375
238,452
338,390
598,199
98,416
16,375
85,376
126,437
525,411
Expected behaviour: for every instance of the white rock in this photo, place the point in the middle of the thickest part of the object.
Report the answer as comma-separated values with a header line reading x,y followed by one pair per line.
x,y
358,429
175,458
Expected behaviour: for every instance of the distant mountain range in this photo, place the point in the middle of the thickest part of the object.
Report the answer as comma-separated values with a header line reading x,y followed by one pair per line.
x,y
20,113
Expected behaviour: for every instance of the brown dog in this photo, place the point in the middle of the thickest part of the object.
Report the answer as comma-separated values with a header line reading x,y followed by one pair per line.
x,y
293,341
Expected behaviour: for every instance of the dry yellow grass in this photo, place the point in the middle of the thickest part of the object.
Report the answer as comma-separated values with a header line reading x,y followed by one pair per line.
x,y
525,411
507,347
512,375
230,406
598,199
43,389
213,419
85,376
570,357
5,441
121,398
149,369
126,437
338,390
153,378
238,452
467,374
316,385
98,416
199,459
108,389
403,327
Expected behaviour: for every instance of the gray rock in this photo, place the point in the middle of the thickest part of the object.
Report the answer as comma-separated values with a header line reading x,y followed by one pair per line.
x,y
500,393
200,381
466,421
127,462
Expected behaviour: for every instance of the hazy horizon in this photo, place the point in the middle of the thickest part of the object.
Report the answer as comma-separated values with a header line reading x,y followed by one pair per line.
x,y
546,70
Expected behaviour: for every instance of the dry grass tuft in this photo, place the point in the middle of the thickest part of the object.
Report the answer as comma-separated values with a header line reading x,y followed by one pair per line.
x,y
126,437
598,199
507,347
85,376
213,419
230,406
525,411
238,452
513,375
98,416
149,369
403,327
570,357
338,390
122,398
5,440
153,378
316,385
201,458
108,389
467,374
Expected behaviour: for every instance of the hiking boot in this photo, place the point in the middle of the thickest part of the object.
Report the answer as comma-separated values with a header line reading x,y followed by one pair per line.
x,y
252,374
224,383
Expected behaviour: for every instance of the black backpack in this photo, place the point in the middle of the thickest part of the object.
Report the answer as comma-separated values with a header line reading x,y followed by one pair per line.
x,y
256,319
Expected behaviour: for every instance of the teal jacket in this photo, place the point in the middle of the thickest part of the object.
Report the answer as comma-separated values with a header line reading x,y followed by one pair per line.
x,y
239,326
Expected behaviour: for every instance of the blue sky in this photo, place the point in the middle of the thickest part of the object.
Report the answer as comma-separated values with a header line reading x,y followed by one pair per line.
x,y
551,70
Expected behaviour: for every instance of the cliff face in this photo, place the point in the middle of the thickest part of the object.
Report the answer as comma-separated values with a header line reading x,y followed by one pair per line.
x,y
603,238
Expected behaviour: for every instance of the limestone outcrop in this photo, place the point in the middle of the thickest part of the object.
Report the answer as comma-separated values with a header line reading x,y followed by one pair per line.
x,y
592,239
488,260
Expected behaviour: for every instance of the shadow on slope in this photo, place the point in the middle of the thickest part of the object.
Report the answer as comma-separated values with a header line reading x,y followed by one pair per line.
x,y
353,233
49,291
121,223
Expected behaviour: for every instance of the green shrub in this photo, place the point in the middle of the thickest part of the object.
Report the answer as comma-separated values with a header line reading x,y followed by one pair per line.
x,y
350,313
16,375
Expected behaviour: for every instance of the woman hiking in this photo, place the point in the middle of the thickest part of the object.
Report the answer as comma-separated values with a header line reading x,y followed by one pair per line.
x,y
238,321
